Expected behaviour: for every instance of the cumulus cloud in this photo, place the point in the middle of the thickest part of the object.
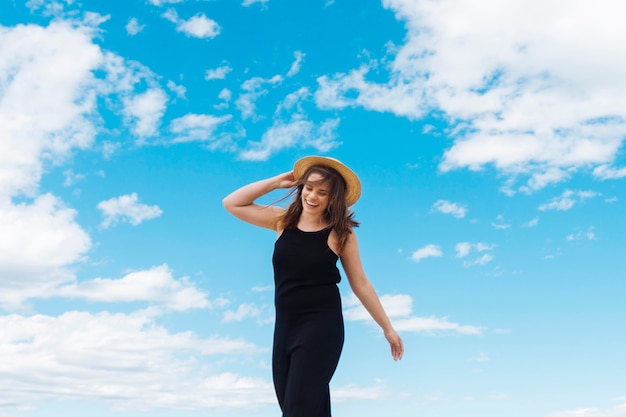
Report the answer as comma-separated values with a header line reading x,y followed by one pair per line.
x,y
427,251
44,114
128,358
39,241
126,208
51,80
197,26
567,200
447,207
155,286
400,308
532,88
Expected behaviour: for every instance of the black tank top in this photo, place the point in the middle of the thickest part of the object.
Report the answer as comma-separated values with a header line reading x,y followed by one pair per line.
x,y
303,264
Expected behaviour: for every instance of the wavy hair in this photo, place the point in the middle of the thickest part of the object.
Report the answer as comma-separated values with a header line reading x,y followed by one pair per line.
x,y
337,215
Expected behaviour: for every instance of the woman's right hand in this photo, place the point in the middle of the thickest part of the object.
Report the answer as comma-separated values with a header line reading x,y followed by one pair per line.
x,y
286,180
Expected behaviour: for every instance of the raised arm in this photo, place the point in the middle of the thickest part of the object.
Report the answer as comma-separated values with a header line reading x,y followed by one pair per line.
x,y
363,289
240,203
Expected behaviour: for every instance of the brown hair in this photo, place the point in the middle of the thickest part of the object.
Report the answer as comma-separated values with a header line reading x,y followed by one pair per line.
x,y
337,215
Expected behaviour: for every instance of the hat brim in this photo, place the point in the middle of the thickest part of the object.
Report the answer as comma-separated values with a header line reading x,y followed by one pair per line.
x,y
353,185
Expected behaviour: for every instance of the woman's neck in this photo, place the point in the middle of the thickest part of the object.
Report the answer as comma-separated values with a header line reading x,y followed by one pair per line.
x,y
309,222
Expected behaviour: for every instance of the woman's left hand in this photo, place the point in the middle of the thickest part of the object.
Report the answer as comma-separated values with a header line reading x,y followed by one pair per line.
x,y
395,342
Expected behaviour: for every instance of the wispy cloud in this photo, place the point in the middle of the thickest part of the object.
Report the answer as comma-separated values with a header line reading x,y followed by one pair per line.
x,y
567,200
295,132
128,209
463,249
198,128
251,90
588,234
218,73
427,251
247,3
295,66
445,206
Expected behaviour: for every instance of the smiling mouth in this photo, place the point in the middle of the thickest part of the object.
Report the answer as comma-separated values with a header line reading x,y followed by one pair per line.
x,y
310,204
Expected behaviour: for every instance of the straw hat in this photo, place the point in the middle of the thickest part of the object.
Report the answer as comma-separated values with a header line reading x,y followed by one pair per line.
x,y
353,185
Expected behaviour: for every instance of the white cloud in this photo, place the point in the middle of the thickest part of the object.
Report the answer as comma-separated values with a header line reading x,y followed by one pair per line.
x,y
44,113
126,208
606,172
225,94
399,308
155,285
244,311
197,26
427,251
252,89
296,133
589,234
447,207
247,3
399,305
355,392
162,2
179,90
295,67
71,178
434,325
198,128
500,223
463,249
144,111
532,223
37,244
618,410
133,27
531,87
127,360
51,79
218,73
567,200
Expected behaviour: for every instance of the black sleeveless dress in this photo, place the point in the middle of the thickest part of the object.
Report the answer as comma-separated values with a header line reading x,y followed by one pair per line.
x,y
309,332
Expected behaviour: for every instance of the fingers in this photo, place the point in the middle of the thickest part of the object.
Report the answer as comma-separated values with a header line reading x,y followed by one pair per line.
x,y
397,351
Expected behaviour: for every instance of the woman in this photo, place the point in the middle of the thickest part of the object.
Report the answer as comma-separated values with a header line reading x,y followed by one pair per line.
x,y
315,231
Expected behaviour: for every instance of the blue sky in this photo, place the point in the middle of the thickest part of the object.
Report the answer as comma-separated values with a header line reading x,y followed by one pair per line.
x,y
489,138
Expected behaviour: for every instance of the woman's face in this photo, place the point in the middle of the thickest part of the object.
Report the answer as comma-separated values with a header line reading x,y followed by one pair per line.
x,y
315,194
